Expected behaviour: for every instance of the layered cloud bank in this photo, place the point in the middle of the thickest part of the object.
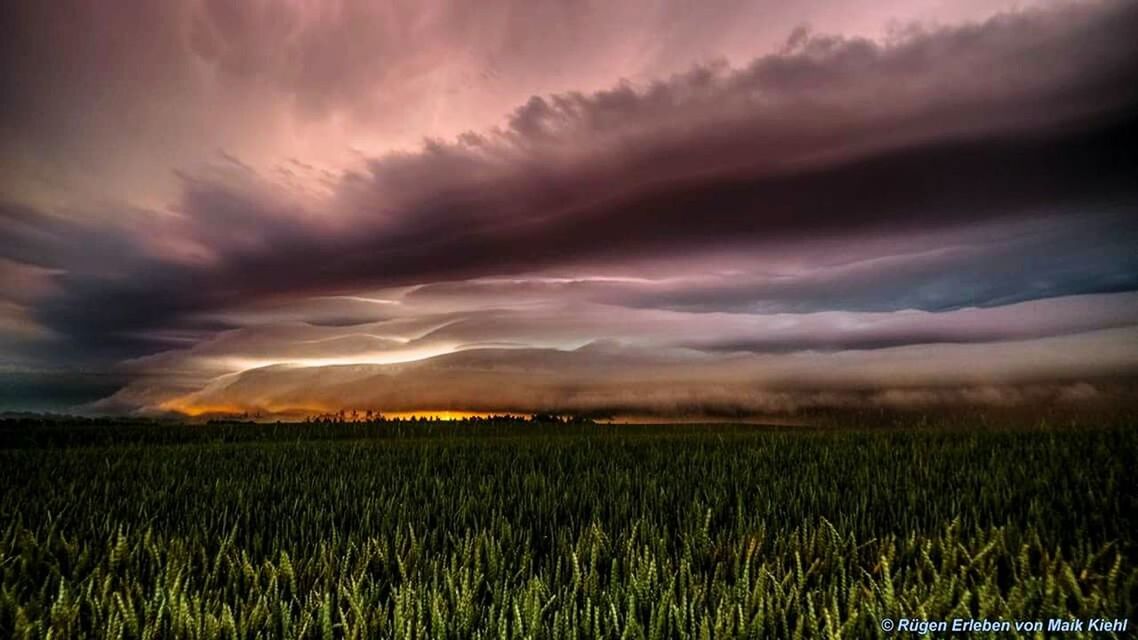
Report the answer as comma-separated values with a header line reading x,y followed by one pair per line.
x,y
941,214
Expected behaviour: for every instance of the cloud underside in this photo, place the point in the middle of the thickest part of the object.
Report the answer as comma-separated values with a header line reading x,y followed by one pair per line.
x,y
946,217
601,380
973,359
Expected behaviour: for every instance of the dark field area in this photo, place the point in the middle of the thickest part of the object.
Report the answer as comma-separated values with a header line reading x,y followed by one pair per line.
x,y
522,530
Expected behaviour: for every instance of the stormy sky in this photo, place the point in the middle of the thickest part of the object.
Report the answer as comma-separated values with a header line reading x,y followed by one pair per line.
x,y
636,208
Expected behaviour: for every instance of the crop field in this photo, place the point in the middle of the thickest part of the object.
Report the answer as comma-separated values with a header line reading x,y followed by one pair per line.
x,y
517,530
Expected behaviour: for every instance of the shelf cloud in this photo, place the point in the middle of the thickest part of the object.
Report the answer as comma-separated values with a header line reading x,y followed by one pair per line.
x,y
293,207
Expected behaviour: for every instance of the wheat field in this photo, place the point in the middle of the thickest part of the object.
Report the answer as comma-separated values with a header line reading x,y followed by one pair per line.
x,y
515,530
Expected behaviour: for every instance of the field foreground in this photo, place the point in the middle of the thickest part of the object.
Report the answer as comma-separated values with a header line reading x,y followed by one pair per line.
x,y
569,531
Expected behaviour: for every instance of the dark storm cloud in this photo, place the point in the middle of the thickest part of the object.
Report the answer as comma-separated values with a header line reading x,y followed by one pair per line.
x,y
947,132
973,182
33,237
831,137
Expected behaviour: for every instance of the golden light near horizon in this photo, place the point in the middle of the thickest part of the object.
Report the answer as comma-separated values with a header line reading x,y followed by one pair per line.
x,y
445,415
206,410
190,409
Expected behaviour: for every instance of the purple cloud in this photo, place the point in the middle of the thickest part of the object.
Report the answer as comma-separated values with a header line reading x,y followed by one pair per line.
x,y
725,211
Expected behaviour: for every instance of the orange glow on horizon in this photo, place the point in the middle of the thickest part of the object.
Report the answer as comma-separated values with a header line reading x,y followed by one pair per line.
x,y
193,410
199,410
443,415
